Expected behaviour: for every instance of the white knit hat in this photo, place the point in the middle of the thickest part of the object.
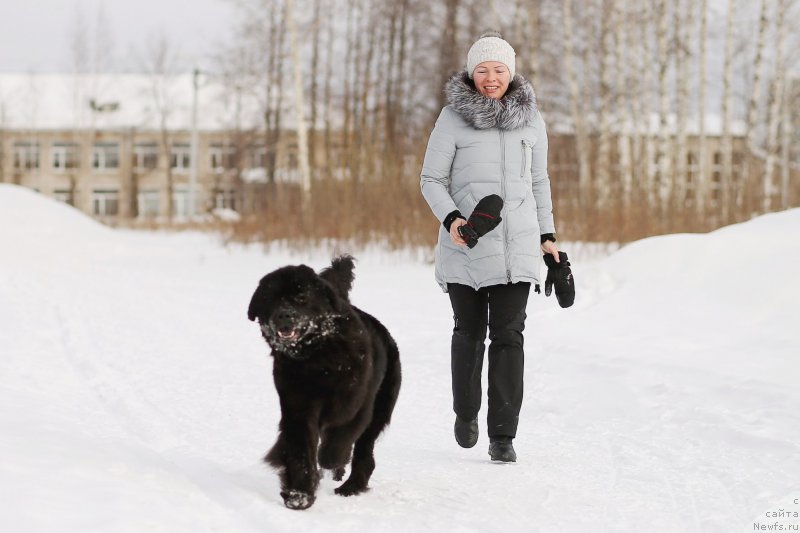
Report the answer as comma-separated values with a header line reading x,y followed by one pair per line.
x,y
491,47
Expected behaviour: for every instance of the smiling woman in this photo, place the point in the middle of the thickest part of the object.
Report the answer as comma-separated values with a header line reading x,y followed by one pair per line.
x,y
489,140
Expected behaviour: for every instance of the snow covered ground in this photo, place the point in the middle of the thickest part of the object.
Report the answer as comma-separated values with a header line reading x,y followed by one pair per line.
x,y
136,396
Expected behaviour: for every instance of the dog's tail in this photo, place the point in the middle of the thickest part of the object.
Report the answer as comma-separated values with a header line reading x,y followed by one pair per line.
x,y
340,275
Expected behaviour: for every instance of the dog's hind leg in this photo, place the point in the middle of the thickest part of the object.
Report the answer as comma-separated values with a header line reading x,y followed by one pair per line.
x,y
363,452
335,450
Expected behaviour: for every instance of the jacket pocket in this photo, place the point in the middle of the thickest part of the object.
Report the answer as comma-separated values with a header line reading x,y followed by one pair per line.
x,y
527,148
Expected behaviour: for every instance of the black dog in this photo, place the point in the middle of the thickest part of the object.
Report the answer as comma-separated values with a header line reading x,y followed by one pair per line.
x,y
337,372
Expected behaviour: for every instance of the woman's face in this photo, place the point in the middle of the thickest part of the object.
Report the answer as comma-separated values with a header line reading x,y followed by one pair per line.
x,y
492,79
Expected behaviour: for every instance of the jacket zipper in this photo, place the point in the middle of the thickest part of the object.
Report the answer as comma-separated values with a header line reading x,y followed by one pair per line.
x,y
524,158
503,191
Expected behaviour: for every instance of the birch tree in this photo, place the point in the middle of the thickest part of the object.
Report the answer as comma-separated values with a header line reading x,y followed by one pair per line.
x,y
786,147
664,152
273,86
300,107
316,30
603,168
682,31
758,62
645,94
623,102
777,94
701,183
727,115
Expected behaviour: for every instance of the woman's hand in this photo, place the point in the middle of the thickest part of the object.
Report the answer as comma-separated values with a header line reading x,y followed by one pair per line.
x,y
549,247
454,235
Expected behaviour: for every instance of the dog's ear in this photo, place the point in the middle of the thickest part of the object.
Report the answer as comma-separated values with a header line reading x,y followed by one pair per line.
x,y
340,275
258,302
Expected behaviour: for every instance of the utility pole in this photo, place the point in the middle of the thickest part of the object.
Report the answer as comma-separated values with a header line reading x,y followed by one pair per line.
x,y
191,211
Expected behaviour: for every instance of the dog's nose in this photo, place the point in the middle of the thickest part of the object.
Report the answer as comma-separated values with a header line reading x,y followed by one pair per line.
x,y
283,317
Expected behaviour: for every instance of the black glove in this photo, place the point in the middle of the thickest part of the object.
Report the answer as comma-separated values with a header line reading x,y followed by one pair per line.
x,y
560,275
484,218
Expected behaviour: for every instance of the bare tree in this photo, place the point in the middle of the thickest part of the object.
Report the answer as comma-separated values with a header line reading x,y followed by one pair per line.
x,y
450,59
701,183
726,182
682,54
664,149
300,108
777,94
328,92
532,45
316,30
758,62
603,167
576,104
786,147
648,149
623,110
159,62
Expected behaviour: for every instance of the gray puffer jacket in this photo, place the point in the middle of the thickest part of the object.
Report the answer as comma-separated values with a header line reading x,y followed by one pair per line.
x,y
482,146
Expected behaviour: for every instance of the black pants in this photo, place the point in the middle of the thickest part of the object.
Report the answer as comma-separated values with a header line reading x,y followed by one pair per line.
x,y
502,308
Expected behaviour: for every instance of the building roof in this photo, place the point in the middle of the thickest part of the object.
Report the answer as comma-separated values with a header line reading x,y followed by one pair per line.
x,y
116,101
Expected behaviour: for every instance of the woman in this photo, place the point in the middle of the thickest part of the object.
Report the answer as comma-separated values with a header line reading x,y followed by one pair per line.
x,y
489,139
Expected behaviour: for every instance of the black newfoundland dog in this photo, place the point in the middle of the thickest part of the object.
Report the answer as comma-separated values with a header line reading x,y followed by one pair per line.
x,y
337,372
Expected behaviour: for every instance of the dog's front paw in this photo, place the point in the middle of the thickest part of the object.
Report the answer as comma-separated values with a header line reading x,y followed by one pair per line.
x,y
350,488
338,473
297,500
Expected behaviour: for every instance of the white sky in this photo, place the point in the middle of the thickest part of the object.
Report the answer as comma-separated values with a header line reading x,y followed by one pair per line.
x,y
36,34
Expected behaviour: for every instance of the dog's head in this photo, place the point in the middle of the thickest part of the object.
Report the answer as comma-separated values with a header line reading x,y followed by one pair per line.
x,y
295,307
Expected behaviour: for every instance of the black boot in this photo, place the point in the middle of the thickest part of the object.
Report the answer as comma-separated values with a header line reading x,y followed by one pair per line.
x,y
466,432
501,449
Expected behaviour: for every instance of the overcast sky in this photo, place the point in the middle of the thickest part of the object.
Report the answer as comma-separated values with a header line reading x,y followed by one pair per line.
x,y
36,34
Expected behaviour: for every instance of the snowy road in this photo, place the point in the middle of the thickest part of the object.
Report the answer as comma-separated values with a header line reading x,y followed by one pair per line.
x,y
135,395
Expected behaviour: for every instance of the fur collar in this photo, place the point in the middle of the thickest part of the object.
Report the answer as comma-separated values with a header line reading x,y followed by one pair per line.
x,y
516,109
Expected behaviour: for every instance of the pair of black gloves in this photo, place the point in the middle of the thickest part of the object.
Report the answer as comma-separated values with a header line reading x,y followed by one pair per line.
x,y
485,217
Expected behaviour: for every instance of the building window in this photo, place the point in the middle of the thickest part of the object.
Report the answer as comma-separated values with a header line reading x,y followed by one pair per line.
x,y
692,174
181,157
180,202
105,156
65,195
221,157
105,202
149,202
145,157
65,156
737,169
225,199
257,157
26,155
292,158
716,177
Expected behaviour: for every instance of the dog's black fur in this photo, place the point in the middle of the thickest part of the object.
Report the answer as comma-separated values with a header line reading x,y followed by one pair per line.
x,y
337,372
